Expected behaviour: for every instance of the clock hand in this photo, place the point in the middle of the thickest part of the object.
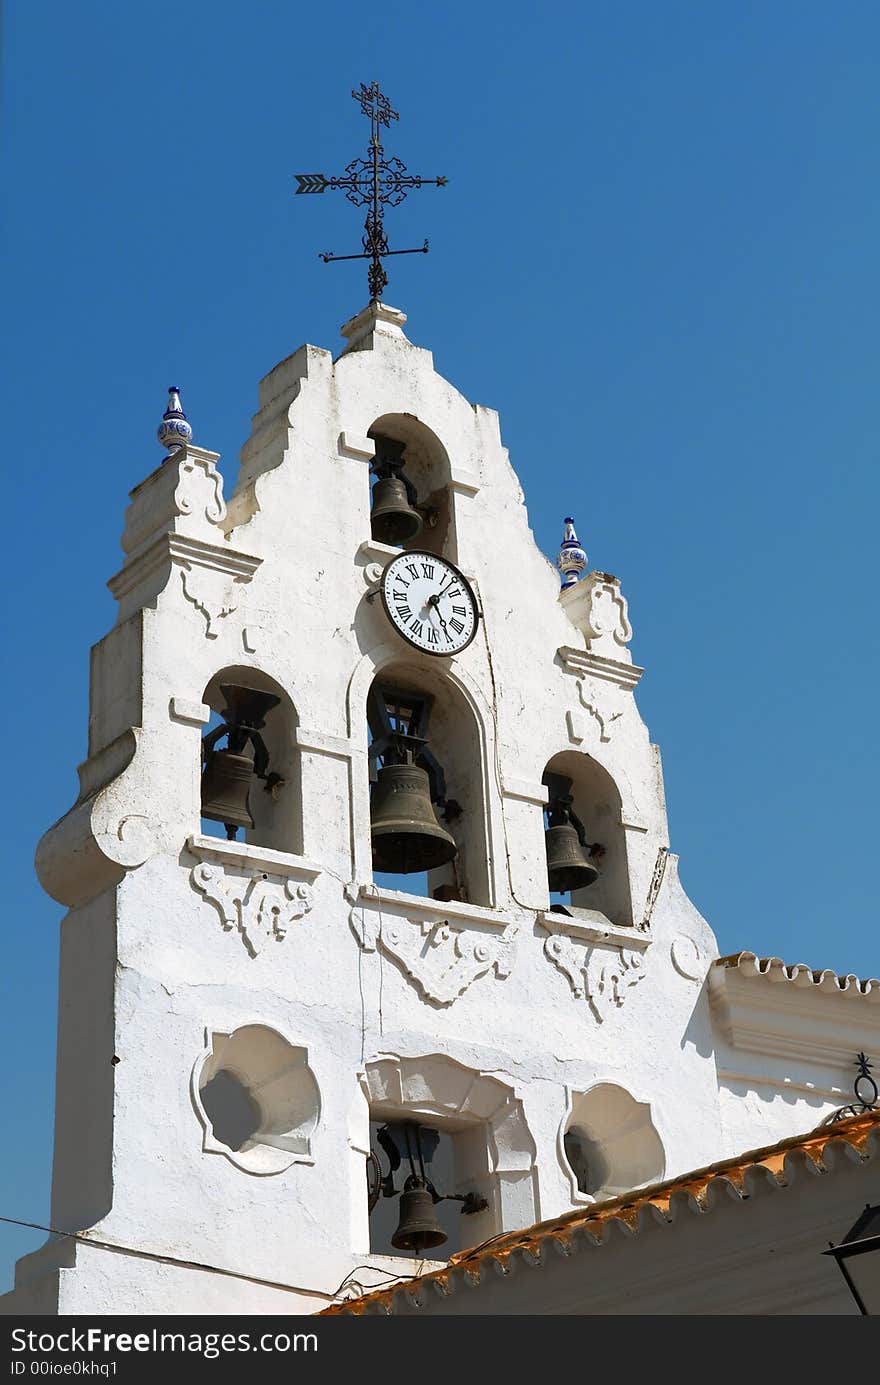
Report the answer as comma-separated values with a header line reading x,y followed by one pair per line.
x,y
434,600
445,631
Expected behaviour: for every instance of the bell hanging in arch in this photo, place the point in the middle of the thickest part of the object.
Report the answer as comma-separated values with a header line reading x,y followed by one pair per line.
x,y
405,833
570,857
418,1228
226,782
228,774
569,866
393,516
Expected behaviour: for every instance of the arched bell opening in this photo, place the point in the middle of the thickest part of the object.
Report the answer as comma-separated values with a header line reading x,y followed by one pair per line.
x,y
461,1130
587,864
427,813
417,1174
250,785
411,500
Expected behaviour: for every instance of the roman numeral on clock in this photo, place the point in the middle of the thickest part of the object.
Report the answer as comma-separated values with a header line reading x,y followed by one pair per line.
x,y
432,636
428,569
412,570
460,610
457,626
404,612
417,628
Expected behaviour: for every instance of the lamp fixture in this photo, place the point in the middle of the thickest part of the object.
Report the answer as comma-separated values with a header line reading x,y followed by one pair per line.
x,y
858,1259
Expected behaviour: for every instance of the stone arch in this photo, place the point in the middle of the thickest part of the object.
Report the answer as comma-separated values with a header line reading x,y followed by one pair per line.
x,y
277,814
496,1152
429,469
472,758
597,802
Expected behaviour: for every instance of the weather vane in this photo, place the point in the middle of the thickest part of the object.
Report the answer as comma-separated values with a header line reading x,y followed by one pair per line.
x,y
375,183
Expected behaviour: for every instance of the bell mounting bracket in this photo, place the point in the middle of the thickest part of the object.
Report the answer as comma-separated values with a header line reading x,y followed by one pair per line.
x,y
419,1143
560,809
398,722
244,720
389,462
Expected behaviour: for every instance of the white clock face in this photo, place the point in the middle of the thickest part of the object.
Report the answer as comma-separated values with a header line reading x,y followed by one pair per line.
x,y
429,603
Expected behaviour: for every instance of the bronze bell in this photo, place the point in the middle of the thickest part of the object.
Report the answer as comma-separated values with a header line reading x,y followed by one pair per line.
x,y
418,1228
226,781
392,518
227,775
569,865
406,834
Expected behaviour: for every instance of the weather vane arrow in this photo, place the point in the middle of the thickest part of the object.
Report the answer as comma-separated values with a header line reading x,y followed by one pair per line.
x,y
375,183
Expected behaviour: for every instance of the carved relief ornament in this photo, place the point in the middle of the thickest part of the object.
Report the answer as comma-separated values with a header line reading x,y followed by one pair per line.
x,y
598,608
440,959
258,908
600,975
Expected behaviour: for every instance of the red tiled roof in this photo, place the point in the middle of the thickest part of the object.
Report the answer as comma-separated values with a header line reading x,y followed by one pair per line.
x,y
853,1132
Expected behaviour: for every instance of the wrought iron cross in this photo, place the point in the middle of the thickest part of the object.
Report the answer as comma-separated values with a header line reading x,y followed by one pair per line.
x,y
375,183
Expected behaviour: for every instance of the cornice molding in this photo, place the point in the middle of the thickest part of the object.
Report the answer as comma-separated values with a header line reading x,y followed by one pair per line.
x,y
580,662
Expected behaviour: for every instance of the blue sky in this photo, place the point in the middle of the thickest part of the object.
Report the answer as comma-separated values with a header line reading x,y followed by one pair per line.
x,y
656,257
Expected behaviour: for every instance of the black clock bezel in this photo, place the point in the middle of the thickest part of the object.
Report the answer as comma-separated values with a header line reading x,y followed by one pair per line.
x,y
437,557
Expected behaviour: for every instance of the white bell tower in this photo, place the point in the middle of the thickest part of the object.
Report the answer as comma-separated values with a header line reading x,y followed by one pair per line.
x,y
239,1016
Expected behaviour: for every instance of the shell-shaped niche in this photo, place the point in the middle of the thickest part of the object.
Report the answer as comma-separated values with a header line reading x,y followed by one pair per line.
x,y
608,1144
257,1099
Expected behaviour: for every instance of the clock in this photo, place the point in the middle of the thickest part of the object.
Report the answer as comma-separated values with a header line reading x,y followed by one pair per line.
x,y
429,603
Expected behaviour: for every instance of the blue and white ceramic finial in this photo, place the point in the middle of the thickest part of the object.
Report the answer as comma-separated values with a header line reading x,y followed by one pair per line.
x,y
174,431
571,559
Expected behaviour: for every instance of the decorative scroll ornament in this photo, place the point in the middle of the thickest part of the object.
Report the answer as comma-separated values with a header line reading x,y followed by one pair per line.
x,y
210,592
200,488
866,1093
259,909
598,608
688,959
440,960
607,614
602,709
373,574
600,976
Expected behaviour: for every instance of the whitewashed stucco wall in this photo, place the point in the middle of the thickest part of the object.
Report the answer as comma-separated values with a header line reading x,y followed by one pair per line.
x,y
156,960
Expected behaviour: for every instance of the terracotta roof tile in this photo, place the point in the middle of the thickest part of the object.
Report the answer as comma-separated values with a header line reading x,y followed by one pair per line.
x,y
853,1132
774,969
